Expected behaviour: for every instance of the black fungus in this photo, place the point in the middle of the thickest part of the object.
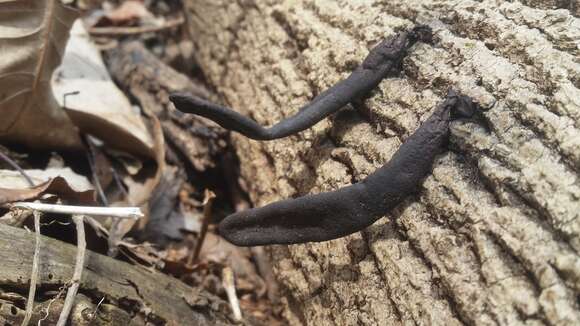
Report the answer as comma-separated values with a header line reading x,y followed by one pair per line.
x,y
331,215
381,60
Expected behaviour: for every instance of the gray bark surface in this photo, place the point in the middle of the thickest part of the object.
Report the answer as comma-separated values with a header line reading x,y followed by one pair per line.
x,y
493,237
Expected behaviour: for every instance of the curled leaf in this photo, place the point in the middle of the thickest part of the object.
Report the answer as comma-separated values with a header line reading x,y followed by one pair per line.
x,y
83,87
33,35
57,186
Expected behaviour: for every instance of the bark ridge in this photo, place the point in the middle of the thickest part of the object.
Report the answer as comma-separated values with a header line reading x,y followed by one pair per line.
x,y
494,235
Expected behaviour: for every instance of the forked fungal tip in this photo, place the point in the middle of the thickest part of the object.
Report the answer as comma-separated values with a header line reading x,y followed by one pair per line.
x,y
423,33
177,96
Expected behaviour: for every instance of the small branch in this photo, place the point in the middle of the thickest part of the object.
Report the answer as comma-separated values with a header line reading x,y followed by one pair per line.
x,y
228,282
91,157
120,212
47,309
78,272
118,182
112,238
95,312
207,203
34,276
107,31
14,165
65,95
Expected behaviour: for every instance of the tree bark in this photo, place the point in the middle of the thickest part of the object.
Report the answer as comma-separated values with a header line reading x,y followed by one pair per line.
x,y
493,237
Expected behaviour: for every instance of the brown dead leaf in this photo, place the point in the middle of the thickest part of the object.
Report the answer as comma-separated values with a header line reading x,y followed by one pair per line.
x,y
166,220
128,12
57,186
87,5
217,250
175,260
141,186
33,35
98,107
142,253
199,299
14,180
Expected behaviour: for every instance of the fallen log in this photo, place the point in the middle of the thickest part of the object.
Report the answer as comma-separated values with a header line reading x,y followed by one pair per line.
x,y
111,292
150,81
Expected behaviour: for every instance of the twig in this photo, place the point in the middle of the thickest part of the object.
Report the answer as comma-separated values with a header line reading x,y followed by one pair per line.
x,y
102,31
118,182
95,312
64,96
120,212
207,202
17,167
229,285
34,276
78,272
112,238
47,314
98,227
91,155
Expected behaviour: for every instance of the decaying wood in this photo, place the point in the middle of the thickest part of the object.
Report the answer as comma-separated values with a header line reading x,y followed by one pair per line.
x,y
207,215
132,30
151,81
131,292
494,235
34,274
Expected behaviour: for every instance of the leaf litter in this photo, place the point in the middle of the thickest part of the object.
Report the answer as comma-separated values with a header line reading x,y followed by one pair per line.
x,y
133,160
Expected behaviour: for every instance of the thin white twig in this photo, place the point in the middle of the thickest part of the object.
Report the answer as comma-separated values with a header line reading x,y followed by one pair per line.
x,y
94,314
47,309
120,212
229,284
78,272
34,276
14,165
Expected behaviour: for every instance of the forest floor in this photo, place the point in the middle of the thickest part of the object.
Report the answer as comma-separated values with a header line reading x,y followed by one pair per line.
x,y
112,139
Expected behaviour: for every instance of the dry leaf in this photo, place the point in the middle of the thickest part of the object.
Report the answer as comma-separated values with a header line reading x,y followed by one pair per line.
x,y
141,186
14,180
57,186
98,107
87,5
166,220
33,35
144,253
128,12
216,249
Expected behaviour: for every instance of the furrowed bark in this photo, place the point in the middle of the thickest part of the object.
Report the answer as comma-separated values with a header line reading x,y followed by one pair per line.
x,y
493,237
